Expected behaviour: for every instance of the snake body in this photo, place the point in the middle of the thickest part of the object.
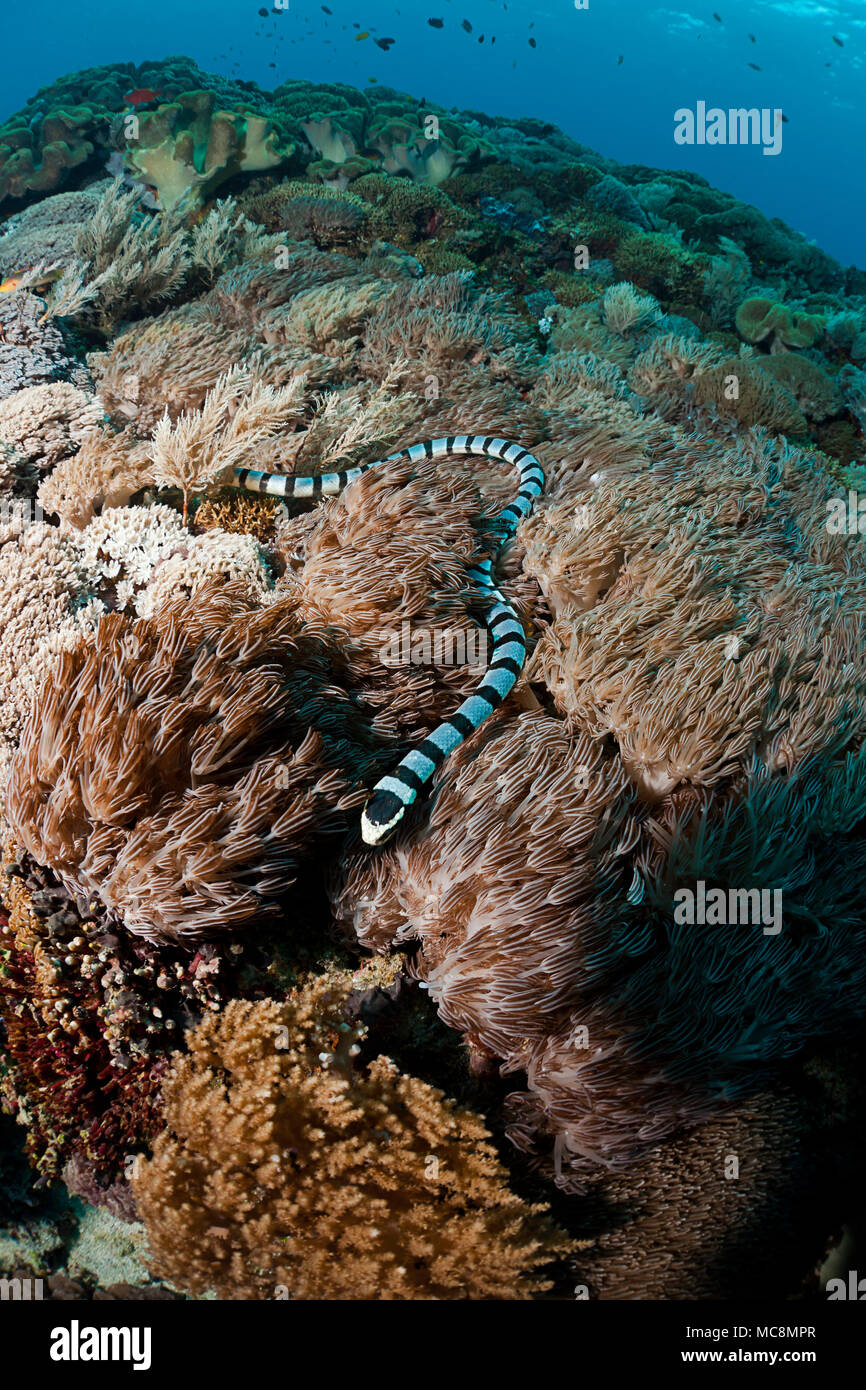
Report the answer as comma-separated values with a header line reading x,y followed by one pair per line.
x,y
392,796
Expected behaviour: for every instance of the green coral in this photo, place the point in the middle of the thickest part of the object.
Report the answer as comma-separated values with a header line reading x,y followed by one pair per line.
x,y
656,262
186,148
35,159
815,392
759,320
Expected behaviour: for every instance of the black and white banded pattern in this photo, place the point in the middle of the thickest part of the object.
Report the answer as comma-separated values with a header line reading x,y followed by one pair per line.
x,y
394,793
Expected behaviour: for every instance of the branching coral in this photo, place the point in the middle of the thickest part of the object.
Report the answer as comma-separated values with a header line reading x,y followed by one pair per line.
x,y
237,415
304,1174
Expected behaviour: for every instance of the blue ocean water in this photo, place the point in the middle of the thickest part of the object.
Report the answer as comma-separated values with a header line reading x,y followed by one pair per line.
x,y
611,73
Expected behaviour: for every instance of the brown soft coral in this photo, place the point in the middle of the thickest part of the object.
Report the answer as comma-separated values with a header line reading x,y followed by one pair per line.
x,y
182,767
286,1170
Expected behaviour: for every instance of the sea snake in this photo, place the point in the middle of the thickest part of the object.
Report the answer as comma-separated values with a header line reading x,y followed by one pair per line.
x,y
392,796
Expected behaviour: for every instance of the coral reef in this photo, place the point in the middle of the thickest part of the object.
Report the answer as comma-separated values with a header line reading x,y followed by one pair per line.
x,y
200,687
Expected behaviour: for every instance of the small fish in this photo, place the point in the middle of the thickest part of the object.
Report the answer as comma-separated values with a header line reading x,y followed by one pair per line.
x,y
436,23
272,65
10,284
620,60
263,13
532,43
467,26
384,44
327,11
139,95
838,41
784,119
755,66
718,17
364,34
752,37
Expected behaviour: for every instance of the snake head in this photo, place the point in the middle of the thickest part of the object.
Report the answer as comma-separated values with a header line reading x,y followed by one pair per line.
x,y
381,816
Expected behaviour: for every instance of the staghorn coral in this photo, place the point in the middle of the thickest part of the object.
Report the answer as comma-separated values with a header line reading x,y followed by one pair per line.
x,y
348,1181
221,795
